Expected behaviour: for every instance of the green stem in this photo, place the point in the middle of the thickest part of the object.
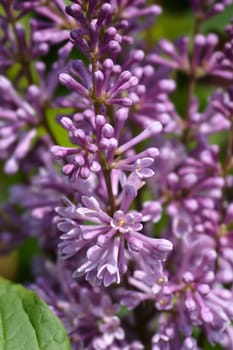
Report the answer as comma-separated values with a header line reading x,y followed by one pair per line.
x,y
106,172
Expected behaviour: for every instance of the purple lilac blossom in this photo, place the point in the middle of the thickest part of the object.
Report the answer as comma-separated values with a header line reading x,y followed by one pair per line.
x,y
108,242
89,314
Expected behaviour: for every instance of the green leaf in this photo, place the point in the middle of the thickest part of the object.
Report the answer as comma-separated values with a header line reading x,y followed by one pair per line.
x,y
26,323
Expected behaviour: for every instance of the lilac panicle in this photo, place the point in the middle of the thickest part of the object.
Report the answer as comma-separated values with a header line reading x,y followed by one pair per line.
x,y
213,120
205,60
52,26
141,213
207,9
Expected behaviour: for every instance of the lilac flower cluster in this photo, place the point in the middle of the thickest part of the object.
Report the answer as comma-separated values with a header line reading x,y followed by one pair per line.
x,y
129,199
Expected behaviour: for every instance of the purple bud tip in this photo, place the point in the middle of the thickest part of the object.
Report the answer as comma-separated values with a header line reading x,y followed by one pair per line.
x,y
108,130
11,166
107,8
164,245
114,45
155,128
77,64
212,39
155,9
113,143
108,64
34,90
40,66
152,152
4,83
58,152
66,123
200,40
167,46
64,78
93,25
67,169
218,8
134,81
73,10
122,114
19,28
148,70
211,255
204,289
167,85
100,120
125,75
111,31
138,55
98,75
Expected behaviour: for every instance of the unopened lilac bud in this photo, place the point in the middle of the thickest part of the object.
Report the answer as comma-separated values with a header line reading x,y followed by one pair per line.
x,y
121,117
111,32
93,30
189,180
138,55
172,179
108,64
114,47
155,9
212,39
122,114
5,84
75,11
107,130
72,84
152,152
199,40
167,85
154,128
168,47
163,245
206,315
34,91
11,166
189,344
98,77
67,123
84,172
68,169
57,152
148,71
105,12
204,289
